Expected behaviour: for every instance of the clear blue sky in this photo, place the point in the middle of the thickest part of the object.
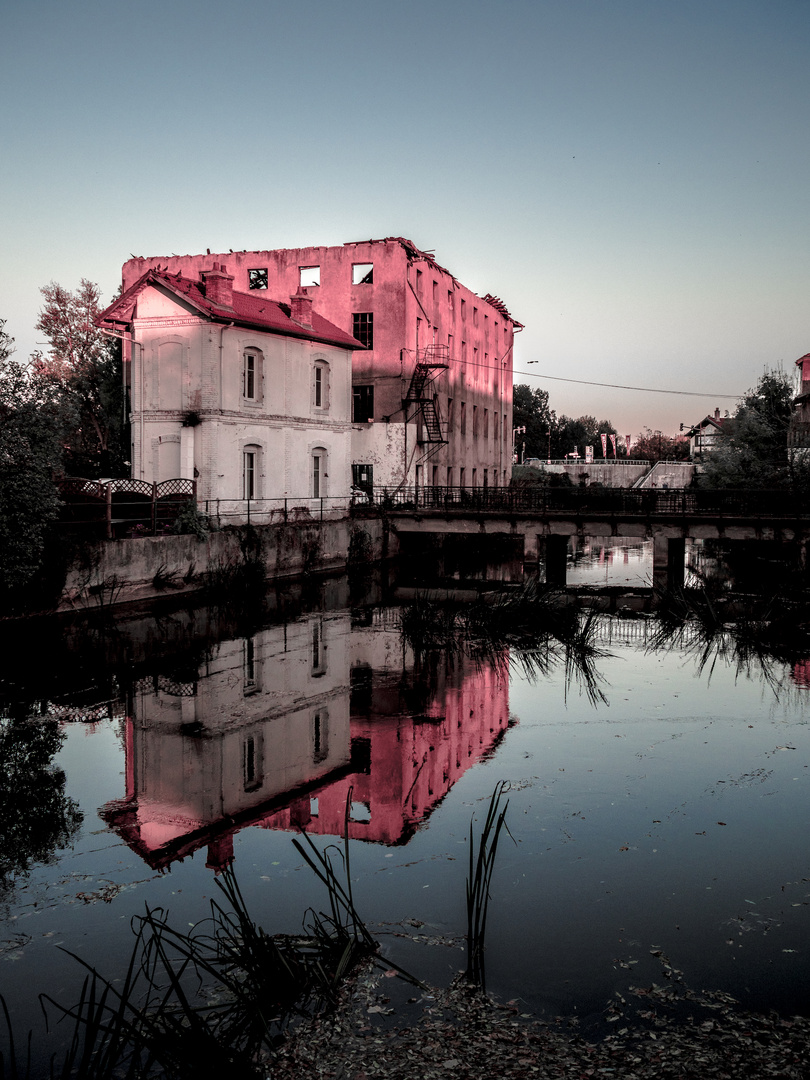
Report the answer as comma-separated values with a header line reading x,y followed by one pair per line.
x,y
632,177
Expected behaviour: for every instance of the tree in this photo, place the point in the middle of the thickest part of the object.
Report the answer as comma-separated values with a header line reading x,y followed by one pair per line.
x,y
84,366
530,409
31,431
655,446
752,450
570,434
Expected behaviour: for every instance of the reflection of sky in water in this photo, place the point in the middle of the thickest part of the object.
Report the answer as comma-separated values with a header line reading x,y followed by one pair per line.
x,y
674,817
609,561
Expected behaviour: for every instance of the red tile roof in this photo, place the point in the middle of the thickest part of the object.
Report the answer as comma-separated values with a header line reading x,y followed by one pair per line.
x,y
257,312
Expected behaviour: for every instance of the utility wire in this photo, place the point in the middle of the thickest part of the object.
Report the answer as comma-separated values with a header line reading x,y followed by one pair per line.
x,y
621,386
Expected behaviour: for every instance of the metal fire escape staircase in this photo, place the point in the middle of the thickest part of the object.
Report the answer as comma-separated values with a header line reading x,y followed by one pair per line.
x,y
430,361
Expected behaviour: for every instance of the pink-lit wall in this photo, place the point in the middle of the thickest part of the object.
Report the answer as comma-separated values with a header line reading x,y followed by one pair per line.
x,y
415,303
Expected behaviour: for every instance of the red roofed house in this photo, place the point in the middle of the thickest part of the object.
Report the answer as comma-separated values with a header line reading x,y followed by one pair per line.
x,y
432,392
250,396
703,436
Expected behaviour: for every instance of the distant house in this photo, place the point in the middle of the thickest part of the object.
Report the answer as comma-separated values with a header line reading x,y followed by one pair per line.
x,y
250,396
799,430
704,435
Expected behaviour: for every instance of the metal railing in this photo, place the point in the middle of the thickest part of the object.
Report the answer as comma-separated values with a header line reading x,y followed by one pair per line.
x,y
274,511
618,502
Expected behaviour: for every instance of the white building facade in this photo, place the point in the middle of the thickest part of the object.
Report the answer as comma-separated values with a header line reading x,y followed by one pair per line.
x,y
248,396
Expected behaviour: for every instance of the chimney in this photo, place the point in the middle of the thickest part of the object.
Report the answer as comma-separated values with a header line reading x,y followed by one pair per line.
x,y
717,414
218,286
301,308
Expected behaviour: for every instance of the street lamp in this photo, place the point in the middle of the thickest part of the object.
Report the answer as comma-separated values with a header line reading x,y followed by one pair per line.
x,y
518,431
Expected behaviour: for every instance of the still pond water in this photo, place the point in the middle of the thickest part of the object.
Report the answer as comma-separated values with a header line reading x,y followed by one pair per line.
x,y
672,815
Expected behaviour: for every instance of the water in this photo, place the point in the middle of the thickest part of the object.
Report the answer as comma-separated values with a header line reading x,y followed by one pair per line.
x,y
670,817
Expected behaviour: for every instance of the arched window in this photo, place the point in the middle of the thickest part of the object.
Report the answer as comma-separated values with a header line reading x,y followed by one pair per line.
x,y
320,385
318,474
252,375
251,471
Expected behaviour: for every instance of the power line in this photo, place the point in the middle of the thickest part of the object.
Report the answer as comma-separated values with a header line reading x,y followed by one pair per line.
x,y
621,386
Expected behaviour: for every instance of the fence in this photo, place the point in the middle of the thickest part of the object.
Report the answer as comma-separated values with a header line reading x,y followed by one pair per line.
x,y
608,501
114,508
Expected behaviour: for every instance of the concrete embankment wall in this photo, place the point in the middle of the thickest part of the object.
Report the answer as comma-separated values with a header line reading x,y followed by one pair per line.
x,y
617,476
124,571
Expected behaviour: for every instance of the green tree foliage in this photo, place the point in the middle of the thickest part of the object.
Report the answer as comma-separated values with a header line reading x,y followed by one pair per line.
x,y
31,430
655,446
550,435
752,452
36,817
84,369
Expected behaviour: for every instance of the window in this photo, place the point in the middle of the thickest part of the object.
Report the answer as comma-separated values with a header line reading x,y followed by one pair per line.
x,y
251,375
464,352
463,309
450,345
252,762
362,273
309,275
418,282
318,648
475,316
464,418
363,477
319,473
486,479
435,477
475,422
257,278
461,474
320,385
486,423
320,736
449,475
250,472
250,683
475,478
449,415
495,426
435,292
363,328
362,404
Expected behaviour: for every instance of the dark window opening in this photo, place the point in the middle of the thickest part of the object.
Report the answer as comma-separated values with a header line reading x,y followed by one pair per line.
x,y
362,404
257,279
363,477
363,328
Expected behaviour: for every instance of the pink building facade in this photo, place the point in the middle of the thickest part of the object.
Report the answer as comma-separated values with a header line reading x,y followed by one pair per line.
x,y
432,392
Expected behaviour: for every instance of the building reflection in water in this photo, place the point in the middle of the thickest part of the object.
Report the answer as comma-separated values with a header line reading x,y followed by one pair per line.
x,y
275,729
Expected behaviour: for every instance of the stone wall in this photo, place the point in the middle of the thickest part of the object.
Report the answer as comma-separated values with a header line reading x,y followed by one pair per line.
x,y
116,572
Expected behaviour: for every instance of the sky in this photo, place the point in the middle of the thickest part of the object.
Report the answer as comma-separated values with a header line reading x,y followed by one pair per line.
x,y
631,177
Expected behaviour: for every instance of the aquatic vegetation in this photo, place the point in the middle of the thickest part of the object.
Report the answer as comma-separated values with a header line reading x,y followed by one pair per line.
x,y
482,866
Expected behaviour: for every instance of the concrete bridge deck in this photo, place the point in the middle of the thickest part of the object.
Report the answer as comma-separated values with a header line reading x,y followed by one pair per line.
x,y
546,517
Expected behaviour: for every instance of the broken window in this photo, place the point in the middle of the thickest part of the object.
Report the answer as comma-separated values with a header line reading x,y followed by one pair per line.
x,y
463,309
486,423
362,404
363,477
309,275
257,278
362,273
363,328
475,421
464,418
418,282
475,316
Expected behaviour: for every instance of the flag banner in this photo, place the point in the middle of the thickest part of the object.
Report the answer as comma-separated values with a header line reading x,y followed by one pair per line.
x,y
613,444
604,445
588,453
627,443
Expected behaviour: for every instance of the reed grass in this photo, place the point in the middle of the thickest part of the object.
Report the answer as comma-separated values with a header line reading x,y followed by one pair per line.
x,y
482,865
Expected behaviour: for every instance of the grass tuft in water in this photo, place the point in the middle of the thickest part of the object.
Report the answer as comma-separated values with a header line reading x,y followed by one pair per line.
x,y
482,866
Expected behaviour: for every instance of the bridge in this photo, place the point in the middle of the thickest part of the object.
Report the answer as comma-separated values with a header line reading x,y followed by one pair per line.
x,y
545,518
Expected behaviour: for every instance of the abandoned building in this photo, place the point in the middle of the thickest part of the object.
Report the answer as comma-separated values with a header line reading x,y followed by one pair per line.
x,y
250,396
431,393
799,430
